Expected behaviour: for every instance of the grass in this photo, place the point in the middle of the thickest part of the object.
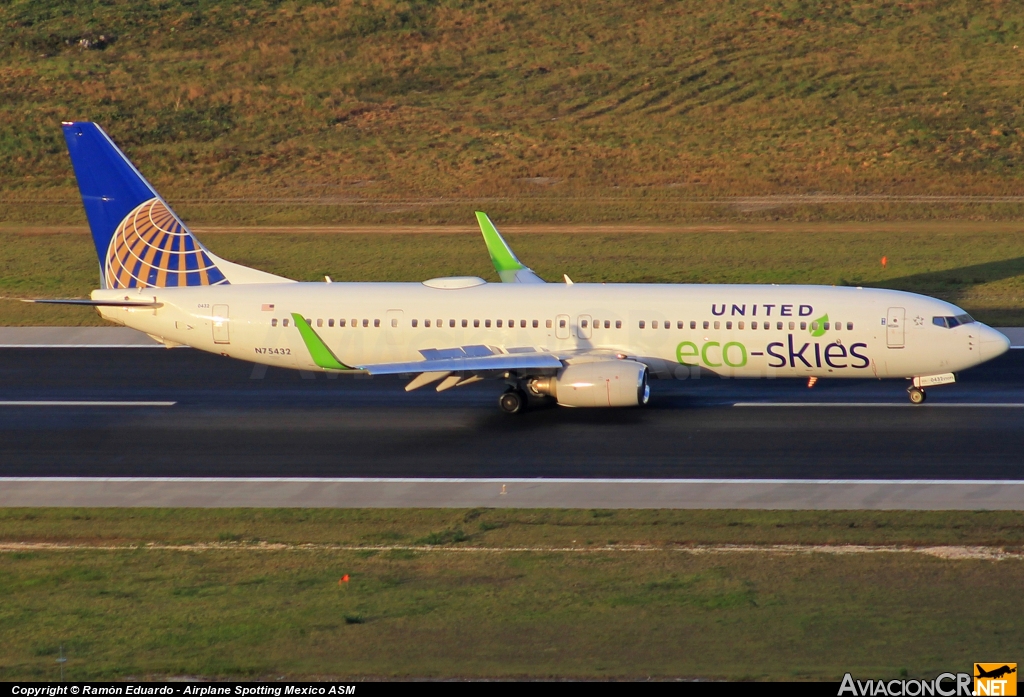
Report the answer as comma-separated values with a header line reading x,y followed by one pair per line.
x,y
979,266
245,610
387,111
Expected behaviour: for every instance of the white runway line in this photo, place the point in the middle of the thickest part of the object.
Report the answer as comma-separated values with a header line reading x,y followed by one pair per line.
x,y
948,405
501,480
62,403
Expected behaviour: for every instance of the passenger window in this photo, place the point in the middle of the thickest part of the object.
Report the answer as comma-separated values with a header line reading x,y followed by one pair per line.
x,y
753,325
355,323
341,323
767,325
415,323
561,324
284,323
366,323
394,322
718,325
487,323
376,322
465,323
548,324
849,326
583,324
618,324
522,324
679,324
792,326
499,324
707,324
451,323
536,323
693,325
814,326
778,325
476,323
803,326
273,322
309,321
654,324
607,324
839,325
426,323
319,323
668,325
739,325
826,326
642,324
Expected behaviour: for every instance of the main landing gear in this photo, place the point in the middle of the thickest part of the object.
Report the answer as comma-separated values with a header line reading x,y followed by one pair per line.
x,y
512,401
917,395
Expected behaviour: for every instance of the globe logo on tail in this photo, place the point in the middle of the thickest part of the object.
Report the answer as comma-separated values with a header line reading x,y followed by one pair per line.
x,y
152,248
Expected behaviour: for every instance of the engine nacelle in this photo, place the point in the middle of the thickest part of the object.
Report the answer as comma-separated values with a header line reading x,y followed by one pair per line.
x,y
599,384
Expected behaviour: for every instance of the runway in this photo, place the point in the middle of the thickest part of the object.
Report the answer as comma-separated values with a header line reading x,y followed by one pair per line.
x,y
184,414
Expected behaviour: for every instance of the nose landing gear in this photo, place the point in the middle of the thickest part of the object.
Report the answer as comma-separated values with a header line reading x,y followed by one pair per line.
x,y
917,395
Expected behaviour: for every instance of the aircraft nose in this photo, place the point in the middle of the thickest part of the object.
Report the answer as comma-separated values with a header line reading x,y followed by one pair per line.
x,y
993,343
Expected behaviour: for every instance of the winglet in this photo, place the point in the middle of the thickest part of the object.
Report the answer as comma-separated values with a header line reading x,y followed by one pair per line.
x,y
509,268
318,350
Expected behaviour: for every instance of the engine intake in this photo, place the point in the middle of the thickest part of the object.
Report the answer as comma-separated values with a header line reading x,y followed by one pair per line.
x,y
597,384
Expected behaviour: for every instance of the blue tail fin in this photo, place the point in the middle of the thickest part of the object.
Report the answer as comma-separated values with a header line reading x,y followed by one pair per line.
x,y
139,240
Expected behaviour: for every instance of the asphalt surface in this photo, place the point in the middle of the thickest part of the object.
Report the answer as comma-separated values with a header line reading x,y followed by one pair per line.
x,y
225,421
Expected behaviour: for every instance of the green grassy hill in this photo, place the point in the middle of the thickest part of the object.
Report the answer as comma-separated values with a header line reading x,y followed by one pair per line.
x,y
546,111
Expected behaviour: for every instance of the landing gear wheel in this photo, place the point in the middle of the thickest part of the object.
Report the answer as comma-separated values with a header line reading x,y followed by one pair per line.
x,y
512,402
917,395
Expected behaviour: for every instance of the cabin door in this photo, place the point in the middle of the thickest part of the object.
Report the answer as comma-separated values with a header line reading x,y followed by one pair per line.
x,y
221,333
894,327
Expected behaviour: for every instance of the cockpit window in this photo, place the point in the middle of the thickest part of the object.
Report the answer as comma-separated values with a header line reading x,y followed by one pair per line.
x,y
950,322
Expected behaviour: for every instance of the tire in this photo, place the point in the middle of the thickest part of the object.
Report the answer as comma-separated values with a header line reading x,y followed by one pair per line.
x,y
512,402
917,396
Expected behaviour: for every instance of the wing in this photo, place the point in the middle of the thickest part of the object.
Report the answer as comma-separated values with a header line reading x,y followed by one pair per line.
x,y
468,363
509,268
436,363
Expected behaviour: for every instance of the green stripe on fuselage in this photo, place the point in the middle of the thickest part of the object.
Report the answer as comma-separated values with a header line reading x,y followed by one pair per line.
x,y
322,355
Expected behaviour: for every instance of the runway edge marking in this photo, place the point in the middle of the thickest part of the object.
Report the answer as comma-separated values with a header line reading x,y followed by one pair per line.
x,y
508,480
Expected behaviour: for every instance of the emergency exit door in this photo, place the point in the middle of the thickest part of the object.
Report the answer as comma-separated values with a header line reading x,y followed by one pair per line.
x,y
221,333
894,327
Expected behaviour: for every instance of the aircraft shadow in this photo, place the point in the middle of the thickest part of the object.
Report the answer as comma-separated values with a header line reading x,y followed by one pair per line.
x,y
952,284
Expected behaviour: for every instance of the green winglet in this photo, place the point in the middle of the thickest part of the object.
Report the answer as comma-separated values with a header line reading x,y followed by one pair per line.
x,y
322,355
501,253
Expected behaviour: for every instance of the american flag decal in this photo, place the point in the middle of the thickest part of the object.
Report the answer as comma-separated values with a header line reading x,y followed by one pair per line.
x,y
268,307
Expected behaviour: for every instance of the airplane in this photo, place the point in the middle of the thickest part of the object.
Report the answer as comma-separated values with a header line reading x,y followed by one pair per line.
x,y
578,344
995,673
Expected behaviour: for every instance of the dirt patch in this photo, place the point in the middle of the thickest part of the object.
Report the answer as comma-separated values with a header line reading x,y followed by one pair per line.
x,y
952,552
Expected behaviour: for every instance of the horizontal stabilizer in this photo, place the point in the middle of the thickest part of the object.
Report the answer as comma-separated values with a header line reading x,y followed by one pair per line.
x,y
94,303
509,268
522,361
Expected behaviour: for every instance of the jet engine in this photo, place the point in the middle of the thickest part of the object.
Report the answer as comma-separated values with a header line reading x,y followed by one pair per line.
x,y
598,384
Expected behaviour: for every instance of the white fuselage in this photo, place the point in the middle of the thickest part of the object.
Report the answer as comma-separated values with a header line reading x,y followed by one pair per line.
x,y
752,331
